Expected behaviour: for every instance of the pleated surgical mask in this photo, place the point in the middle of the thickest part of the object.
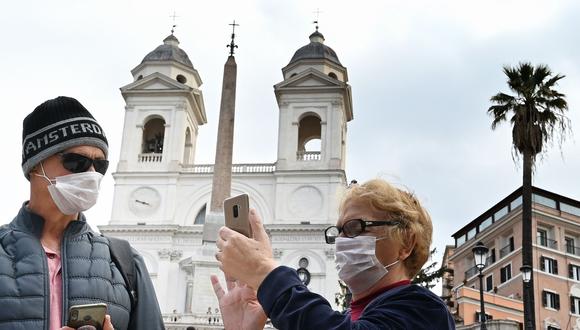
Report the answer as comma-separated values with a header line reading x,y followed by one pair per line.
x,y
357,263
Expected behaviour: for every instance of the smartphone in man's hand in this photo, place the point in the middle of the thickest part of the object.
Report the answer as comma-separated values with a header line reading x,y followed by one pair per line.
x,y
87,315
237,213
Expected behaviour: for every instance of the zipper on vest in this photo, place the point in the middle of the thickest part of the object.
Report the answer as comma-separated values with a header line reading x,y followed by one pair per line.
x,y
64,274
45,273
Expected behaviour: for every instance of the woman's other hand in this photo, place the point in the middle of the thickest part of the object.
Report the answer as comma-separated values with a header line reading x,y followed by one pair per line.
x,y
239,306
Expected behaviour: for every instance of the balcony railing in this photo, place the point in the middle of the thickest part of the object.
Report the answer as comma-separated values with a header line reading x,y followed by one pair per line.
x,y
179,321
236,168
471,272
550,243
308,155
490,260
150,158
571,249
506,250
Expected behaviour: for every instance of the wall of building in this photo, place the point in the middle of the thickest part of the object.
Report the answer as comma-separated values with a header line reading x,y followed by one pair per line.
x,y
503,300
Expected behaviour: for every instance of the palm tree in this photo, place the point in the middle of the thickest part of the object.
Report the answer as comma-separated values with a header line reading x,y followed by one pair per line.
x,y
537,116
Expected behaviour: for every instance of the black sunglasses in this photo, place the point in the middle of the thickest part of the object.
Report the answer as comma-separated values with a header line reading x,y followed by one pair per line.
x,y
353,228
77,163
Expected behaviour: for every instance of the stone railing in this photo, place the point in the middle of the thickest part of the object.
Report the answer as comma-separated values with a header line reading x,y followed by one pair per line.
x,y
200,321
492,325
236,168
150,158
308,155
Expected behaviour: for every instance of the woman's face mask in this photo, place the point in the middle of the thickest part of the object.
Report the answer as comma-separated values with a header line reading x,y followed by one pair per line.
x,y
74,193
357,262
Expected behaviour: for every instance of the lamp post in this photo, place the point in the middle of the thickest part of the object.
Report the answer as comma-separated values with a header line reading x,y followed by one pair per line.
x,y
527,278
480,256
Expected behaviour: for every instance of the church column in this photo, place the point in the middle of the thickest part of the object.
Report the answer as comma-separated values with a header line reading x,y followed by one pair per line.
x,y
188,294
163,280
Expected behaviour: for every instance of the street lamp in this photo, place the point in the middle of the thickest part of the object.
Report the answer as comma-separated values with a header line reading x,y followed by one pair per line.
x,y
526,273
304,275
480,256
528,295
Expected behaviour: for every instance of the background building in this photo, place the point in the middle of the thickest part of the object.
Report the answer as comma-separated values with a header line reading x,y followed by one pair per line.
x,y
556,252
162,195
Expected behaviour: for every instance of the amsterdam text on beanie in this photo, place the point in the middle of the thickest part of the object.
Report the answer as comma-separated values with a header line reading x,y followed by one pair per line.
x,y
57,125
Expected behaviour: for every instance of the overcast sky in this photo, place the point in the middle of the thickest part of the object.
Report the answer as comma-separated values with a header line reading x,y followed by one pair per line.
x,y
421,72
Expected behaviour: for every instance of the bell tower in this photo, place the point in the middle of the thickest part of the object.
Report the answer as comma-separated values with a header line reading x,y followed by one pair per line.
x,y
164,109
315,104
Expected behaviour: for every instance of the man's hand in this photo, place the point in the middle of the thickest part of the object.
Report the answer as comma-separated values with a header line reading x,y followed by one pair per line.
x,y
239,306
107,326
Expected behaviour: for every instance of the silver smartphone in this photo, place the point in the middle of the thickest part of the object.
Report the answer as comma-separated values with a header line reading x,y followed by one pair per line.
x,y
90,314
237,212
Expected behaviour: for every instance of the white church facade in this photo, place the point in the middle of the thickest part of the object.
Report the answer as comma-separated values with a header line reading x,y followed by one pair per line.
x,y
162,195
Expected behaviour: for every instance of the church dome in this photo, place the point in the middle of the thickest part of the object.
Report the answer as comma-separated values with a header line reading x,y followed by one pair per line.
x,y
169,51
316,49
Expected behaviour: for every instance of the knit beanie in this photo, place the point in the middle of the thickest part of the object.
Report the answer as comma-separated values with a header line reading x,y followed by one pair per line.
x,y
57,125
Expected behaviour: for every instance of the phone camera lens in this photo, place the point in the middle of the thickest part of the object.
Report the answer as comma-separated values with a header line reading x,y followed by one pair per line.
x,y
236,211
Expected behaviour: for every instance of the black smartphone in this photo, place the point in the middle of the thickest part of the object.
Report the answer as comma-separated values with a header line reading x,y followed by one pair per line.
x,y
237,213
89,314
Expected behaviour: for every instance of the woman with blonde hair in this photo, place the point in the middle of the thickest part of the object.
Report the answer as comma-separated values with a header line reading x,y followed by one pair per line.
x,y
382,240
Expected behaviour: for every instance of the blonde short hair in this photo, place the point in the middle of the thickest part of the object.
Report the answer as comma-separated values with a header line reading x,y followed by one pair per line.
x,y
416,223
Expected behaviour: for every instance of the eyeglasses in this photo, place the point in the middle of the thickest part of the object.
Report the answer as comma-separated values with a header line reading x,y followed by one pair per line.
x,y
353,228
77,163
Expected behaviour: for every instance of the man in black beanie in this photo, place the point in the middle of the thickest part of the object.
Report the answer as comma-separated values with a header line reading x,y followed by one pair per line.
x,y
50,258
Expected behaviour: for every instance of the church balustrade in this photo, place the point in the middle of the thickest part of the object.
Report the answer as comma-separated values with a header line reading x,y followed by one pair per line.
x,y
199,168
150,158
253,168
308,155
180,321
236,168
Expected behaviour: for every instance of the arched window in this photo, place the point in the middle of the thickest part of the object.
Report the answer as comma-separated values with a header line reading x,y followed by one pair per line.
x,y
188,148
153,134
332,75
309,138
200,217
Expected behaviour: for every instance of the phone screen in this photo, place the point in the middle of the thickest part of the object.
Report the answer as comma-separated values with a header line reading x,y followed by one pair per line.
x,y
90,314
236,211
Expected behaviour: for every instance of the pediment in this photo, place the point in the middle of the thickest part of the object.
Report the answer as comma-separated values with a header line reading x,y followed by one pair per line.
x,y
309,78
155,81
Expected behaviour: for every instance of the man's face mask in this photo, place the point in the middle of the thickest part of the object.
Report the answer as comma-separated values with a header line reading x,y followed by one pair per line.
x,y
74,193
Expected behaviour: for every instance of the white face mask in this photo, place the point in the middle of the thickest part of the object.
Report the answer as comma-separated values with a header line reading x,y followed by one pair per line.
x,y
74,193
357,263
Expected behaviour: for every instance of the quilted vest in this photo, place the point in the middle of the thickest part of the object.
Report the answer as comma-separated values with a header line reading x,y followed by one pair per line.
x,y
88,274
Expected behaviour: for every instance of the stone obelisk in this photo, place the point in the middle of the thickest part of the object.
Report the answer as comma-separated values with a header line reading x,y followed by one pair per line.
x,y
222,172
